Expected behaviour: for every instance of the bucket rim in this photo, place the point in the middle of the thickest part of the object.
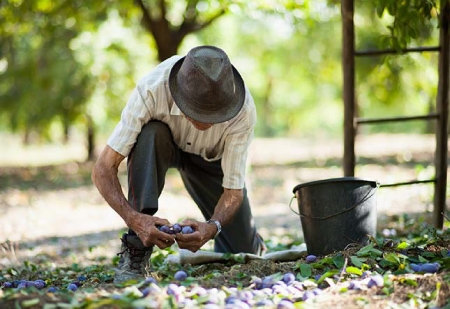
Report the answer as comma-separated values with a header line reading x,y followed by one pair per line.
x,y
338,179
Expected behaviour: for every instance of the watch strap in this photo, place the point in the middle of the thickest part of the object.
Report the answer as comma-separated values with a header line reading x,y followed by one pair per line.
x,y
217,224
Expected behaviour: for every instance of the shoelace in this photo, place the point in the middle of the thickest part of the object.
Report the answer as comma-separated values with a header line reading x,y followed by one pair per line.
x,y
136,255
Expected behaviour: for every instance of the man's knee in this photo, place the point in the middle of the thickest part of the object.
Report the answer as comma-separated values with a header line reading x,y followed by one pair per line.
x,y
155,129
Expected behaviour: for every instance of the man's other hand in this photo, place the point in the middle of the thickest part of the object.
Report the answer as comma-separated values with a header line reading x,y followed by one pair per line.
x,y
203,232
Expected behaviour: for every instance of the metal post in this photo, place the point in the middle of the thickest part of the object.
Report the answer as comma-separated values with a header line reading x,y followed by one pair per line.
x,y
348,69
441,160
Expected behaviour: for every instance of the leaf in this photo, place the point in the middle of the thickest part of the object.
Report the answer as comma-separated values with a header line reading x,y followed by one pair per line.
x,y
358,262
392,258
408,281
326,261
380,10
369,250
30,302
422,259
328,274
353,270
305,270
339,261
403,245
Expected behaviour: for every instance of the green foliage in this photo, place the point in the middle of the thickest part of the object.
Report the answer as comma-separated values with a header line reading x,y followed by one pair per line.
x,y
61,60
411,20
42,81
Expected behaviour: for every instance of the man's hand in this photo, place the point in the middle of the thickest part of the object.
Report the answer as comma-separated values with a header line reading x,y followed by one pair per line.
x,y
146,227
104,176
203,232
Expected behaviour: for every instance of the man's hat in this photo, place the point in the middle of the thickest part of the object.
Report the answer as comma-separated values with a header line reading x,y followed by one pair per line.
x,y
206,86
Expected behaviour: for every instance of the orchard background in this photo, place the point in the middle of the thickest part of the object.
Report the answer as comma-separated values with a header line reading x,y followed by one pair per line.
x,y
67,67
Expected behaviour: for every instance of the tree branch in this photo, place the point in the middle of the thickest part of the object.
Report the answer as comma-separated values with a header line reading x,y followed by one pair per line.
x,y
147,21
192,25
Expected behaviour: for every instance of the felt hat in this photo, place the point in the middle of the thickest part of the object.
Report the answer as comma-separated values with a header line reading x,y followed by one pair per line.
x,y
206,86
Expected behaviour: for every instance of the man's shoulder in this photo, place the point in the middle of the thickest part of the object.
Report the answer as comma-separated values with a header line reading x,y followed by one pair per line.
x,y
159,75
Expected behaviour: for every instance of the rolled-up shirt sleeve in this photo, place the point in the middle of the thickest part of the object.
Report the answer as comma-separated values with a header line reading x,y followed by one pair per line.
x,y
234,160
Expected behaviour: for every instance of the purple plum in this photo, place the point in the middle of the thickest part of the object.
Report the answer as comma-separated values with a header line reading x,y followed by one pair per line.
x,y
176,228
376,280
308,295
164,229
288,277
180,275
39,284
430,267
8,285
151,280
187,230
311,258
72,287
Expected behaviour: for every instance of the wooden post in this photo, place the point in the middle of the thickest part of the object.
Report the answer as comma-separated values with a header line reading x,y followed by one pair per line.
x,y
441,160
348,69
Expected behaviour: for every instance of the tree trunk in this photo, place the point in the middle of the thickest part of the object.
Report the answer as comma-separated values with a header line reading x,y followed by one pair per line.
x,y
90,139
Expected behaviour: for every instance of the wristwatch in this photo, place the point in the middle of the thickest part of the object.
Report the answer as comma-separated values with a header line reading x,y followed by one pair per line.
x,y
217,224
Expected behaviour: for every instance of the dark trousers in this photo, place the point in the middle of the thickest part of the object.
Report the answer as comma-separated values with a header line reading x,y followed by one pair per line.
x,y
153,154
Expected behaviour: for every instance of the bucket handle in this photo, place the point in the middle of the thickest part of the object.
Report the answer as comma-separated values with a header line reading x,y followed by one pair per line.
x,y
327,217
290,207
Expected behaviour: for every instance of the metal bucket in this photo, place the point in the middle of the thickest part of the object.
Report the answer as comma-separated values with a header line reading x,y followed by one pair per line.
x,y
337,212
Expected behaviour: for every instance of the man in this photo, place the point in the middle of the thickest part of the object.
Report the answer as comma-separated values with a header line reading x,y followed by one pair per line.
x,y
193,113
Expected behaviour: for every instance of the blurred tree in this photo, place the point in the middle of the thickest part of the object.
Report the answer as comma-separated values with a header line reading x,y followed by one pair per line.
x,y
169,22
50,69
41,80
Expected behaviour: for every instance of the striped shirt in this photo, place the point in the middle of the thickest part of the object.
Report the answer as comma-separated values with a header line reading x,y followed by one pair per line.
x,y
152,100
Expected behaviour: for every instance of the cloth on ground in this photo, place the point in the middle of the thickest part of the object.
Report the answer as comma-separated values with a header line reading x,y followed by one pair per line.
x,y
202,256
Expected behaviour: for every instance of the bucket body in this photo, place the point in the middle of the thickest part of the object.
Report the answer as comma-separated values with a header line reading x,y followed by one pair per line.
x,y
337,212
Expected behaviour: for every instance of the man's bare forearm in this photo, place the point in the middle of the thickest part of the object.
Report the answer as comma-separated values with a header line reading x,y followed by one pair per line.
x,y
228,205
104,176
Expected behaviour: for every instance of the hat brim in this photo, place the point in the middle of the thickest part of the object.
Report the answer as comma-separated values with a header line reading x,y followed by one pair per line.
x,y
192,111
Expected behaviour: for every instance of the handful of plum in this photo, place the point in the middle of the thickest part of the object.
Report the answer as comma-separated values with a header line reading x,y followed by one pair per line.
x,y
176,228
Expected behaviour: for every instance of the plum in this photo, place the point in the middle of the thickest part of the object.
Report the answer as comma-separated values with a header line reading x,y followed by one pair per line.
x,y
176,228
39,284
72,287
415,267
366,274
8,285
52,289
152,289
180,275
187,230
264,303
267,282
308,295
354,285
288,277
81,278
285,304
376,280
164,229
430,267
151,280
311,258
173,289
257,282
425,267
